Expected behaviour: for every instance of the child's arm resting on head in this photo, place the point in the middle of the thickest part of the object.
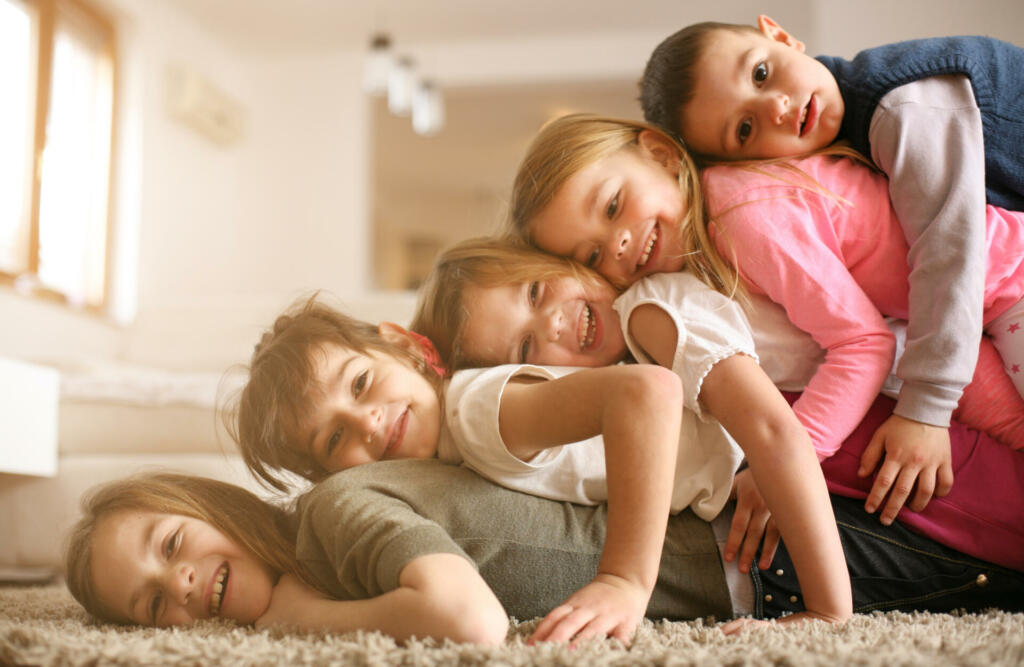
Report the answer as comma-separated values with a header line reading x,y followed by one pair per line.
x,y
637,410
439,595
779,451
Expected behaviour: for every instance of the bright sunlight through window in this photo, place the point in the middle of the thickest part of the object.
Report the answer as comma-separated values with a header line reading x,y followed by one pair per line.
x,y
55,184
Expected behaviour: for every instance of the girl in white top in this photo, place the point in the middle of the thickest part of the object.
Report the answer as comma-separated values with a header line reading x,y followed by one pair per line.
x,y
493,301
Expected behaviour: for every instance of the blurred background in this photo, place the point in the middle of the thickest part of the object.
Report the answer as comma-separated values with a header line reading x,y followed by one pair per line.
x,y
303,180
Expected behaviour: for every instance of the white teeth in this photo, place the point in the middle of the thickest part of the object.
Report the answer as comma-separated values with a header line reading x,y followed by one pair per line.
x,y
803,118
589,328
218,588
646,255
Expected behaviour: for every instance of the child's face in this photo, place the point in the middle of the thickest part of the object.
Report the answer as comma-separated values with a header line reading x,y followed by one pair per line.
x,y
557,322
620,215
760,96
375,407
164,569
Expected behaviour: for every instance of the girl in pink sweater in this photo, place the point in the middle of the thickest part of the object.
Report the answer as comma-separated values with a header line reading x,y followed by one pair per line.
x,y
818,237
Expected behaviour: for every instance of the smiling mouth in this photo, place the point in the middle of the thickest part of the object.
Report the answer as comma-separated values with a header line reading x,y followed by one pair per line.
x,y
219,585
807,117
645,256
589,328
397,434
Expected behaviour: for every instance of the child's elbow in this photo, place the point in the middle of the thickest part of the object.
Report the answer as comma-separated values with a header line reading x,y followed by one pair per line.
x,y
486,625
648,382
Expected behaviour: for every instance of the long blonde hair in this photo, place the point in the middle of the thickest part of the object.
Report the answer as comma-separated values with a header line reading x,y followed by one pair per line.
x,y
570,143
282,386
441,313
260,527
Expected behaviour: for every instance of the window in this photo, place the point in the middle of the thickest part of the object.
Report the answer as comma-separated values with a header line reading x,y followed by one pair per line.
x,y
55,147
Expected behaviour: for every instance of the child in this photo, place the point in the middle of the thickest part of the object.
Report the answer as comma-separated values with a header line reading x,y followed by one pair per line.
x,y
326,394
492,301
942,118
388,548
600,190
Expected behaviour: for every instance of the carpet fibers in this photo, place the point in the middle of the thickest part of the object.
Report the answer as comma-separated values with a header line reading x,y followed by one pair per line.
x,y
44,626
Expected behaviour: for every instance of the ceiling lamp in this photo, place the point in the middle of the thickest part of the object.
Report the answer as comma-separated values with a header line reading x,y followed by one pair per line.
x,y
401,86
378,65
427,109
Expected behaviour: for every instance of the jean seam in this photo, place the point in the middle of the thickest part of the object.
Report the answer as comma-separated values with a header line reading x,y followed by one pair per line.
x,y
905,547
919,598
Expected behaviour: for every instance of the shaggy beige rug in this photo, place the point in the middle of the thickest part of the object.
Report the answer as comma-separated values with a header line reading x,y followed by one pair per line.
x,y
44,626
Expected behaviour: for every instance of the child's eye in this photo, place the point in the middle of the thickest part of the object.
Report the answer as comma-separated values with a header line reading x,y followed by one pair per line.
x,y
760,72
359,384
333,441
743,132
591,260
613,206
172,543
524,350
154,606
534,290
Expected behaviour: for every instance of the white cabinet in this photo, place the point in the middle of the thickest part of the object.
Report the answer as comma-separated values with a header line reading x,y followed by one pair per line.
x,y
29,396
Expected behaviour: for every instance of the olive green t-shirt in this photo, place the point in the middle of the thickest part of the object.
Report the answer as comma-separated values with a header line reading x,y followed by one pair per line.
x,y
359,528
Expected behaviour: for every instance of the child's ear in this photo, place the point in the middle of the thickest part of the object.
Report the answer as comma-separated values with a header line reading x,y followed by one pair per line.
x,y
773,31
659,148
398,335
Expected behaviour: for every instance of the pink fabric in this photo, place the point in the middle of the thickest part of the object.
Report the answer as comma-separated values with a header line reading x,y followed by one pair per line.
x,y
982,516
991,403
837,263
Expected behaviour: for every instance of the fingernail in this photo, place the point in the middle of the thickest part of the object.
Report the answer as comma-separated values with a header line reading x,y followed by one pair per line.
x,y
729,555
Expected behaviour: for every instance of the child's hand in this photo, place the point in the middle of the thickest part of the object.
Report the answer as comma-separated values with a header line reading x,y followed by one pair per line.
x,y
608,605
914,452
287,601
750,522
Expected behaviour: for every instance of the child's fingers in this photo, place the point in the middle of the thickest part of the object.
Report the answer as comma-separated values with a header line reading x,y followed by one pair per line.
x,y
872,455
884,480
925,489
737,529
755,531
738,625
899,494
944,481
549,623
770,545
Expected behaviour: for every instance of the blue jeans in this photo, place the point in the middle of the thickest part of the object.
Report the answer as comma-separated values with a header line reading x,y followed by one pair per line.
x,y
893,568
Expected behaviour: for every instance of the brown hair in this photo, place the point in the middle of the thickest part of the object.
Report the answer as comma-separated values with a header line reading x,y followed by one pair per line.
x,y
566,145
282,387
441,313
260,527
670,75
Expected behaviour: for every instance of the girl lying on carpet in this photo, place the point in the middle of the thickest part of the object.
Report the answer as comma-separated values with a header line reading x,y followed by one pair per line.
x,y
319,400
490,301
391,547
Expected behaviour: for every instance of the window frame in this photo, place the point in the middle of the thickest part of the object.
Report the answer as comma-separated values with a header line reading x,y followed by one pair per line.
x,y
85,15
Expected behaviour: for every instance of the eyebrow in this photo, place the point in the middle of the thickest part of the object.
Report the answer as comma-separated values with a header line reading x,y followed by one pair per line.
x,y
337,378
146,540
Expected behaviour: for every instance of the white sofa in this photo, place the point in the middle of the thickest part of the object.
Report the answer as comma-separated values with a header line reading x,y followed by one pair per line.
x,y
115,420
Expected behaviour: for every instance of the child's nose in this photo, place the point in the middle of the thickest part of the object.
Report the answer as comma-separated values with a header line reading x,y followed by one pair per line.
x,y
777,108
554,325
620,241
182,583
369,421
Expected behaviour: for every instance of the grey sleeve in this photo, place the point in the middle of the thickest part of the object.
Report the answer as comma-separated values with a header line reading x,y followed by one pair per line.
x,y
927,137
356,538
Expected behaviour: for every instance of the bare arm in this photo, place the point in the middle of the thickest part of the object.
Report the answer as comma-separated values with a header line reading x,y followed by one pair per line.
x,y
638,411
781,457
439,595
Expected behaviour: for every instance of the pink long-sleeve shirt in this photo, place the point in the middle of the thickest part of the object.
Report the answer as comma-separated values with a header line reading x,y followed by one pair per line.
x,y
836,260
